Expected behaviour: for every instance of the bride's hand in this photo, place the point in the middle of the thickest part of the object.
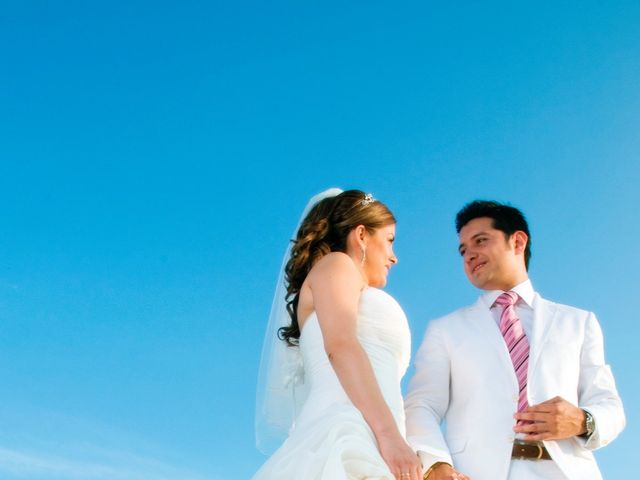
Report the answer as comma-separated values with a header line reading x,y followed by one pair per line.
x,y
401,459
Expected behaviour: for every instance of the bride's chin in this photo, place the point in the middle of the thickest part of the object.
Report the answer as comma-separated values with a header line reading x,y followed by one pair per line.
x,y
378,283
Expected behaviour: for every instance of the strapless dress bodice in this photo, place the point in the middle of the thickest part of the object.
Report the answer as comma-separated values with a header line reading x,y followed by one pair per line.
x,y
383,332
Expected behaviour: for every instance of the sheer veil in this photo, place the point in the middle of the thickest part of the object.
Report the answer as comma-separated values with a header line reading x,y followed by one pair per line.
x,y
281,389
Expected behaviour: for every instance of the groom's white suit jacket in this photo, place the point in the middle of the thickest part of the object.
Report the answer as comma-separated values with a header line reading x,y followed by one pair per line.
x,y
465,377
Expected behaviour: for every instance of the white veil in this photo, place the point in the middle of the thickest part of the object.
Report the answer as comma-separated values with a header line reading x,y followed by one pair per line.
x,y
281,387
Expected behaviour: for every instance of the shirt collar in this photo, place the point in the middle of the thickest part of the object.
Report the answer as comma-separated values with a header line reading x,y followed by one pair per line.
x,y
524,290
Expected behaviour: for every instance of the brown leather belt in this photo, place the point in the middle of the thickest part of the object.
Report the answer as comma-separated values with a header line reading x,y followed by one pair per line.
x,y
530,451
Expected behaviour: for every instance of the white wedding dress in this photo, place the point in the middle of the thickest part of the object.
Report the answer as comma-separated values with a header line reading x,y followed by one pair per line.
x,y
330,439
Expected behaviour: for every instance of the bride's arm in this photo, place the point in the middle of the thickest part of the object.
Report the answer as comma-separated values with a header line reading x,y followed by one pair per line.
x,y
336,286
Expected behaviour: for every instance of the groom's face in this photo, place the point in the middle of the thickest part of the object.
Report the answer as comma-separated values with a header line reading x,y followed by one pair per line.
x,y
490,258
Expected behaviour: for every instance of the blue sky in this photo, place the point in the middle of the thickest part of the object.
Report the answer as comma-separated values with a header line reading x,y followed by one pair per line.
x,y
155,157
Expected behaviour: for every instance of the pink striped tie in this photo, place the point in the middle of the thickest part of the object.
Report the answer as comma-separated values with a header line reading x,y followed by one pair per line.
x,y
516,341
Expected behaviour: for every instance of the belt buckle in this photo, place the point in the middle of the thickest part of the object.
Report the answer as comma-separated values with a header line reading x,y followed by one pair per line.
x,y
540,451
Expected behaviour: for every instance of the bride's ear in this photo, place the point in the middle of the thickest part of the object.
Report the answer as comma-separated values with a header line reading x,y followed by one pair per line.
x,y
358,237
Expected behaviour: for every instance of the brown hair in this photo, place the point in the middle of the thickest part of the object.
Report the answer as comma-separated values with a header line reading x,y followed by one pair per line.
x,y
324,230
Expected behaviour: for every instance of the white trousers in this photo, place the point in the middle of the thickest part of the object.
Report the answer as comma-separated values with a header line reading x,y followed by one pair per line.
x,y
535,470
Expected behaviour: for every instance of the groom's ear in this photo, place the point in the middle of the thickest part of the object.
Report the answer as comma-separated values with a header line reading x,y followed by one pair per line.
x,y
520,240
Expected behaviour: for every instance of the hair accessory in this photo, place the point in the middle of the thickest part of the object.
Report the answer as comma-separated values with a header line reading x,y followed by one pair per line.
x,y
368,198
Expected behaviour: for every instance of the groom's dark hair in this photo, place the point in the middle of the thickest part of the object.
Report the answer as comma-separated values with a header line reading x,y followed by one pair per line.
x,y
505,218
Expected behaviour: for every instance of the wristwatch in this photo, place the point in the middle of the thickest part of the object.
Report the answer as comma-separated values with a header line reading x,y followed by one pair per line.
x,y
590,424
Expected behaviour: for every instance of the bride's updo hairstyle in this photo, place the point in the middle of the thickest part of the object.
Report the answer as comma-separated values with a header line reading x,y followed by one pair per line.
x,y
324,230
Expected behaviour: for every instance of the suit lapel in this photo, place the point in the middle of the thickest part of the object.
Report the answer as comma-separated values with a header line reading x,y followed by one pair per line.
x,y
484,329
543,316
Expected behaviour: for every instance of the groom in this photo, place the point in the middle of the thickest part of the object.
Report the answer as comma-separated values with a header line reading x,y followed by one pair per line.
x,y
520,382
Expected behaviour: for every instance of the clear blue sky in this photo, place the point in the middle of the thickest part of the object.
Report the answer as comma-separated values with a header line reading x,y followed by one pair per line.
x,y
155,157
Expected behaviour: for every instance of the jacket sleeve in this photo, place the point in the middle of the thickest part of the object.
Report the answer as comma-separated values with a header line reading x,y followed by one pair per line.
x,y
427,398
597,390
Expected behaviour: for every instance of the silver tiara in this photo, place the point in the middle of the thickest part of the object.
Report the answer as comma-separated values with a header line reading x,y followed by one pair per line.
x,y
368,198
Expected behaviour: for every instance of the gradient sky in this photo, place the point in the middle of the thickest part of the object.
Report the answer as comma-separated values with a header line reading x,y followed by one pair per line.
x,y
155,157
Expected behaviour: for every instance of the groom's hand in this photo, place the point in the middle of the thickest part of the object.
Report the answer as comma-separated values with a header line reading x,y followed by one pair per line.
x,y
444,471
554,419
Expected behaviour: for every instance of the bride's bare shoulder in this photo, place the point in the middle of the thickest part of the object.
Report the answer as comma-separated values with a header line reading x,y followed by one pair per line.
x,y
335,267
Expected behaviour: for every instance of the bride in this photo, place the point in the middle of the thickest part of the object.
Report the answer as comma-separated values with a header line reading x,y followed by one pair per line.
x,y
336,349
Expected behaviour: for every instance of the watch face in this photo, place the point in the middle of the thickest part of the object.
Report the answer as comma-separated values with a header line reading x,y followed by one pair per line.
x,y
590,423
